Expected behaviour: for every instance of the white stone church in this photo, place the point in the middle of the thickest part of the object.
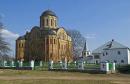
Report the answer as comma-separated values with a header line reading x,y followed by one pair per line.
x,y
112,51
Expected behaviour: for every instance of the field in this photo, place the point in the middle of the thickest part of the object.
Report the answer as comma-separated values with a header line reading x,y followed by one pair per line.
x,y
51,77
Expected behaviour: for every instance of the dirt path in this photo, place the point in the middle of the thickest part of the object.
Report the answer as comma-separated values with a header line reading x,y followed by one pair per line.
x,y
27,75
63,78
115,80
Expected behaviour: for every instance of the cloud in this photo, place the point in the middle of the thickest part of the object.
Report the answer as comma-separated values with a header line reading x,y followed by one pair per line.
x,y
8,34
10,37
90,36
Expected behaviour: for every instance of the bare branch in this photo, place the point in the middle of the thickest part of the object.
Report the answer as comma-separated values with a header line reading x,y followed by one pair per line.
x,y
78,42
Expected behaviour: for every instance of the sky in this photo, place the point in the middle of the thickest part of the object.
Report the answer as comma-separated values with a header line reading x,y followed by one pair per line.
x,y
98,21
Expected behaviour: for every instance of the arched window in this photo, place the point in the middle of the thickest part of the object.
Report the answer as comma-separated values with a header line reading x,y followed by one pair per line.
x,y
51,41
19,45
51,22
47,22
22,45
54,41
55,23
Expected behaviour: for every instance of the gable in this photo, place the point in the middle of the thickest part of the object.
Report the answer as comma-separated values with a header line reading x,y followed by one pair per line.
x,y
109,45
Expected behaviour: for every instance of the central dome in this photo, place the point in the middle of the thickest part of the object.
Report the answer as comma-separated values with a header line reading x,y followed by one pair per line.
x,y
48,12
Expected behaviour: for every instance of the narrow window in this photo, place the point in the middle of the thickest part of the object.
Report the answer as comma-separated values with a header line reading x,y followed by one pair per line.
x,y
54,41
103,54
119,52
47,22
22,45
51,22
19,44
84,53
51,41
55,23
106,53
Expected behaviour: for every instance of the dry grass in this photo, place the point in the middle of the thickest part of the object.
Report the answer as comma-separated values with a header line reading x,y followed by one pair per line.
x,y
55,82
51,77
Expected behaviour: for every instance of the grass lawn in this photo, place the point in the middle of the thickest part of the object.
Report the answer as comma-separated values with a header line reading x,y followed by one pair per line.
x,y
55,82
51,77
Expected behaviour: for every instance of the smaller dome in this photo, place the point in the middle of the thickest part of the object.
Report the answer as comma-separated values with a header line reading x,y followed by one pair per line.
x,y
35,28
51,32
48,12
21,38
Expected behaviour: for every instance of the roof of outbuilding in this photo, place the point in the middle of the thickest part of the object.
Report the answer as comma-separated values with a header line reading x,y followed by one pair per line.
x,y
109,45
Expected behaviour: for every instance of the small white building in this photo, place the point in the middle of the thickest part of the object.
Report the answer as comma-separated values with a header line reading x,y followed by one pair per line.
x,y
86,55
112,51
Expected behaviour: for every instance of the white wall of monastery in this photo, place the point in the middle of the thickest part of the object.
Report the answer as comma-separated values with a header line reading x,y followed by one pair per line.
x,y
112,55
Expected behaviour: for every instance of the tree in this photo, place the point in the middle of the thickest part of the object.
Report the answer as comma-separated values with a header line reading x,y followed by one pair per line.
x,y
78,42
4,46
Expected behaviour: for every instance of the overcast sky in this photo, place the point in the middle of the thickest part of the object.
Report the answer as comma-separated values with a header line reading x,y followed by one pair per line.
x,y
98,20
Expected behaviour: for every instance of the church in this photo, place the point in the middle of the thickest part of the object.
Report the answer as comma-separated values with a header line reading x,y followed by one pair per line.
x,y
45,42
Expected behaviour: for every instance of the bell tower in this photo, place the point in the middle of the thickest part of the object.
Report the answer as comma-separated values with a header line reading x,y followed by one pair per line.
x,y
48,19
85,51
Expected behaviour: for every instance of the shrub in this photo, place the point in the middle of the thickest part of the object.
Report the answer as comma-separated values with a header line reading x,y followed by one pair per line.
x,y
124,69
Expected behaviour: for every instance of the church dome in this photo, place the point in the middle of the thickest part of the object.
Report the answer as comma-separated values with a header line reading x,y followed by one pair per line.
x,y
48,12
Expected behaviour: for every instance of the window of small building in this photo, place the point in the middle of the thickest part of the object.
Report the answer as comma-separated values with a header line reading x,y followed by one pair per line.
x,y
96,61
84,53
118,52
106,53
115,61
122,61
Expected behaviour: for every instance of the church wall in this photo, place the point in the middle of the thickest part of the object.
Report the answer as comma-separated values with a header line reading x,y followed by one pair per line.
x,y
20,47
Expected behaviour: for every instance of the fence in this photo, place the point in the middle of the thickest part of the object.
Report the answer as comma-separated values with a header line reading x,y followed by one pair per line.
x,y
77,65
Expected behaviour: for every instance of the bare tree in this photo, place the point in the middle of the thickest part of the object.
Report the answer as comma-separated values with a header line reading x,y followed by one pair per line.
x,y
4,46
78,42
